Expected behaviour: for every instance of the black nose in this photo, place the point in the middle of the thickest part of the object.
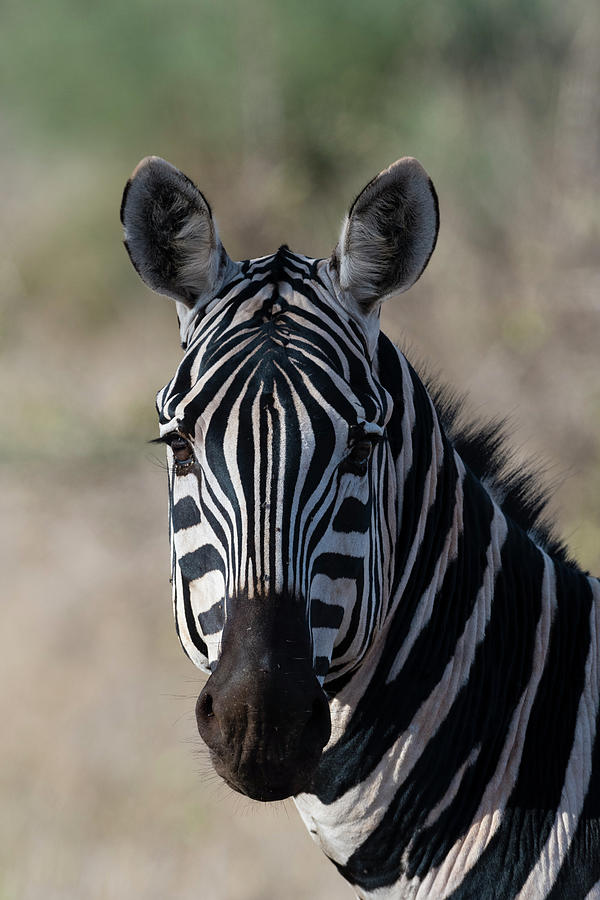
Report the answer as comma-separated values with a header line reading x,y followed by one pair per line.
x,y
263,713
265,728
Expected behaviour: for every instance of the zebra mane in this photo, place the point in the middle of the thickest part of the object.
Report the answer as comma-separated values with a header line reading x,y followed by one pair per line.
x,y
485,447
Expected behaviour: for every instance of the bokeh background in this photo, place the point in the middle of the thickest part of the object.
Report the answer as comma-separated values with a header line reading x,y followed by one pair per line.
x,y
281,111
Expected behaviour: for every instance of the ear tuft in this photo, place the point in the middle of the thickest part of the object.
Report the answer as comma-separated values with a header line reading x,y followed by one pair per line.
x,y
389,234
170,233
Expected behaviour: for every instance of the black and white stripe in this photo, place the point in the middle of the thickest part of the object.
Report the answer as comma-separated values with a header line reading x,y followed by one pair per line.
x,y
456,642
260,386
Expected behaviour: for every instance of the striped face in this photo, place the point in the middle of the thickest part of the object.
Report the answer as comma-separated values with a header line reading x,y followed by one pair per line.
x,y
283,501
279,465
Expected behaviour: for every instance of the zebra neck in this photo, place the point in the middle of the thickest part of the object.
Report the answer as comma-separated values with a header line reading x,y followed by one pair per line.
x,y
440,750
475,710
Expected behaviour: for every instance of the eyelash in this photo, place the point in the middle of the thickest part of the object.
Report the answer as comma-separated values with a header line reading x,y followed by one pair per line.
x,y
179,445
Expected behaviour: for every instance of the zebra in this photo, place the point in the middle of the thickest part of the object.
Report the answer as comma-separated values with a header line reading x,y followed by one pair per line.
x,y
392,635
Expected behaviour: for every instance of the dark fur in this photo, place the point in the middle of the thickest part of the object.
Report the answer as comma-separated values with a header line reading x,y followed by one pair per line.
x,y
399,209
485,448
158,201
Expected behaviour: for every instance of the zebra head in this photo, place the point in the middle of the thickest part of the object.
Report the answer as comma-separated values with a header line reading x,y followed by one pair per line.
x,y
282,486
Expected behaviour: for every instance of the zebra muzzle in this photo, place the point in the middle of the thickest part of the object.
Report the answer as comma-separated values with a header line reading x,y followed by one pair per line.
x,y
263,713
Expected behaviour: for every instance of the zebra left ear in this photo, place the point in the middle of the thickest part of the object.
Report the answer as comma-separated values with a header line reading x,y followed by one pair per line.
x,y
389,234
170,234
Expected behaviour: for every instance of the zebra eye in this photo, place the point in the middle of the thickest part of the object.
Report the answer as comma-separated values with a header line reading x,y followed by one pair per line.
x,y
361,451
358,456
182,450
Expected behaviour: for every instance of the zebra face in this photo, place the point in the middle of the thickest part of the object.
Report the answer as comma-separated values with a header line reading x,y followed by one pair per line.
x,y
281,478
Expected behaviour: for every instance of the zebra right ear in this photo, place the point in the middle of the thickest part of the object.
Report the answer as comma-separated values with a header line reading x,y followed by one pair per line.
x,y
388,235
170,234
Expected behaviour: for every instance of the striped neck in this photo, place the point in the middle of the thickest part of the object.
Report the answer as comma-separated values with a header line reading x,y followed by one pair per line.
x,y
438,758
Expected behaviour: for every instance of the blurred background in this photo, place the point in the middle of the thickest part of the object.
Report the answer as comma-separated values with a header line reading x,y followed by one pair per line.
x,y
281,112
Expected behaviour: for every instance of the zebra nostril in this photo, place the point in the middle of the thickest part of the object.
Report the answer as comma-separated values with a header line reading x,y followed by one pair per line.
x,y
204,706
320,720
